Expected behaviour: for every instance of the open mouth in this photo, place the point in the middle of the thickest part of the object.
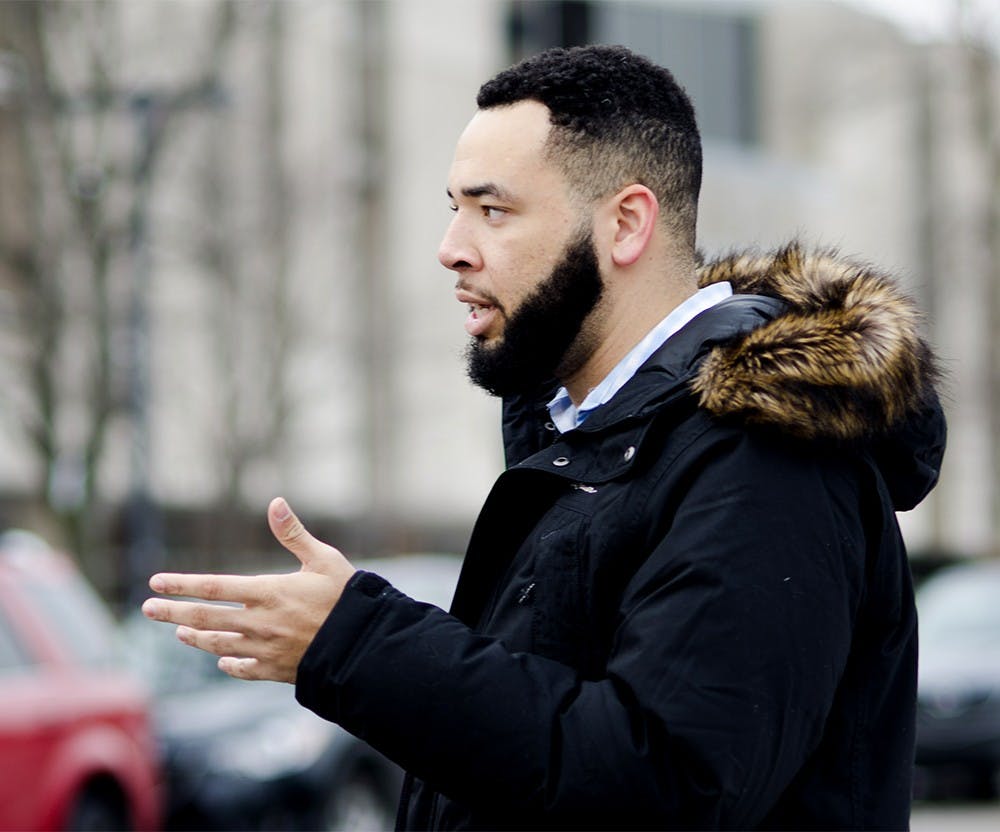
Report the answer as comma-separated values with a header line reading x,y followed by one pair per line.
x,y
482,313
480,318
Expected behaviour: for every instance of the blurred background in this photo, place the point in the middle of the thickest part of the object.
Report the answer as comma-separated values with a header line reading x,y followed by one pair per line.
x,y
218,232
219,223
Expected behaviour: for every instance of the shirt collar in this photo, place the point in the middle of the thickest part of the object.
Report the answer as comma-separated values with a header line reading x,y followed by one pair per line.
x,y
566,416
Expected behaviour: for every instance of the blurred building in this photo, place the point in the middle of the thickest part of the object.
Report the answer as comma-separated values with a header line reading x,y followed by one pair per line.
x,y
829,124
302,337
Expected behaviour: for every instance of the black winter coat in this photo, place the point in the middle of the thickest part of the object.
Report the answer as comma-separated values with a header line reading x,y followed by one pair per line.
x,y
695,610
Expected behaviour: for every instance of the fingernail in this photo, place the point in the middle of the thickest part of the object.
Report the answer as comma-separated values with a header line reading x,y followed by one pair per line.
x,y
157,584
185,634
151,609
281,510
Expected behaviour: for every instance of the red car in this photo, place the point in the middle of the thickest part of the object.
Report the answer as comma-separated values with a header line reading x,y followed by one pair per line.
x,y
77,750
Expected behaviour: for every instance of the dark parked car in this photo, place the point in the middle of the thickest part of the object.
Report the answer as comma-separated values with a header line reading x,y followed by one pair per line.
x,y
958,714
246,755
76,746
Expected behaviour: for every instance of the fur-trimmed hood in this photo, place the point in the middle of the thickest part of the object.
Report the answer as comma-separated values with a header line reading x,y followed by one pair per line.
x,y
819,348
846,361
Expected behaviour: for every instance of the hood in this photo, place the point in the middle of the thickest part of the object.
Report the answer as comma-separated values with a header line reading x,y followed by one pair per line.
x,y
844,362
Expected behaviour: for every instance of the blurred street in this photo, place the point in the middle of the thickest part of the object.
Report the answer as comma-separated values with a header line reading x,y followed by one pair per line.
x,y
955,817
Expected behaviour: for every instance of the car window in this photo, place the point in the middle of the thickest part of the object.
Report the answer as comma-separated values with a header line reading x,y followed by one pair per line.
x,y
165,664
960,609
13,655
77,615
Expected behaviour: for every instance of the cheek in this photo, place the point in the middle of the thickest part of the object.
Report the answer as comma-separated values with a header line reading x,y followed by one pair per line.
x,y
514,290
518,273
520,257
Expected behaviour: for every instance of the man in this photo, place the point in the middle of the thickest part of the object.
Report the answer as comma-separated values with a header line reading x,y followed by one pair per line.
x,y
686,602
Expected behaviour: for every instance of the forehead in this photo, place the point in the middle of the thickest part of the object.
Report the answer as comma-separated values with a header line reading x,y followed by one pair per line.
x,y
506,146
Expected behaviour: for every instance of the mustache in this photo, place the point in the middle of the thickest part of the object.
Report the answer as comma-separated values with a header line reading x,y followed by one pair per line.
x,y
462,285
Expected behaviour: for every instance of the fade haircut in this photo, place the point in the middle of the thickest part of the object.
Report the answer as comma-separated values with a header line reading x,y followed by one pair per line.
x,y
617,119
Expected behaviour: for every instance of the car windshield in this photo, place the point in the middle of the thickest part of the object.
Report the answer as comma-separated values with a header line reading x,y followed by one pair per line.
x,y
13,655
163,662
960,608
78,615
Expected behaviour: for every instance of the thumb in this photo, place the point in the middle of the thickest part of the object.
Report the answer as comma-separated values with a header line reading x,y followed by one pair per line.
x,y
314,555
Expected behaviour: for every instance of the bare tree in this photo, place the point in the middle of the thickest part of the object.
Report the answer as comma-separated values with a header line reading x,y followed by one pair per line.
x,y
81,155
246,251
58,243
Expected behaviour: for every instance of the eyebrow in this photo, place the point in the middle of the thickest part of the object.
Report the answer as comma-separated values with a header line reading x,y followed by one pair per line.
x,y
486,189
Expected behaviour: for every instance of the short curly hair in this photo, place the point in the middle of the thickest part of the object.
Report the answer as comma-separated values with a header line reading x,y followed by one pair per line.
x,y
617,119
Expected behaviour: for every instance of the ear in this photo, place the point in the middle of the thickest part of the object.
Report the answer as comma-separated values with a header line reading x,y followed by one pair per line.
x,y
635,210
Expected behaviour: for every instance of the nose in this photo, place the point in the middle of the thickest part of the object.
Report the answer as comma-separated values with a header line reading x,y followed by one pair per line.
x,y
457,250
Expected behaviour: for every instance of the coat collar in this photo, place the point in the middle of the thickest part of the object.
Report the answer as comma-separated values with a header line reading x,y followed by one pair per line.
x,y
812,346
610,441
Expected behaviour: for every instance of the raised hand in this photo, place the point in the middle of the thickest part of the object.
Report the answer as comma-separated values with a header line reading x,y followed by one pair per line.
x,y
266,622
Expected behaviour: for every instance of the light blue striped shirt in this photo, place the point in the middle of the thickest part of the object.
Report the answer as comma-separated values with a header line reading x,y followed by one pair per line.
x,y
566,415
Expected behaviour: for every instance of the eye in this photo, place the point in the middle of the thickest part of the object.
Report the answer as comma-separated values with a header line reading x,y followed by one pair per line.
x,y
491,212
453,208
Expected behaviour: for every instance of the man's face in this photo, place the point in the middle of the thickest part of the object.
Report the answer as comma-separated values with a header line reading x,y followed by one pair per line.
x,y
545,335
525,260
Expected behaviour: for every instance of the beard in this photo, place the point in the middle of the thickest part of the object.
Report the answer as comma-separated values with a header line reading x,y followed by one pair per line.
x,y
545,337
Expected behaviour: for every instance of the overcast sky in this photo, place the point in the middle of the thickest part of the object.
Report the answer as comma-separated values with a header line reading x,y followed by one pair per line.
x,y
933,18
928,18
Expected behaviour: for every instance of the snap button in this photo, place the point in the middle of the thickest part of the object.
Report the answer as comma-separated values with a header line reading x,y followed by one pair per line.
x,y
629,452
560,462
550,426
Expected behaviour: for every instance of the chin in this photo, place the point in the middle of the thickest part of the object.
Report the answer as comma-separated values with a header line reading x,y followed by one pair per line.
x,y
488,342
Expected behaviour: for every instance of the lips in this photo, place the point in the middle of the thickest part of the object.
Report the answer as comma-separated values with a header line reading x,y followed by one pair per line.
x,y
482,313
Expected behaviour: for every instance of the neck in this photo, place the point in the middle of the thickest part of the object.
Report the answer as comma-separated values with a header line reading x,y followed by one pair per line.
x,y
617,326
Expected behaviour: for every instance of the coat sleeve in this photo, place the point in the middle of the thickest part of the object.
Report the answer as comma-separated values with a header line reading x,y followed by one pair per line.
x,y
731,639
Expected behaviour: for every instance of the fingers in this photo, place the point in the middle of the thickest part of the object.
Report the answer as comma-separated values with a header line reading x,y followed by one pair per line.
x,y
240,589
251,669
288,529
236,655
273,631
241,656
221,644
194,615
277,616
